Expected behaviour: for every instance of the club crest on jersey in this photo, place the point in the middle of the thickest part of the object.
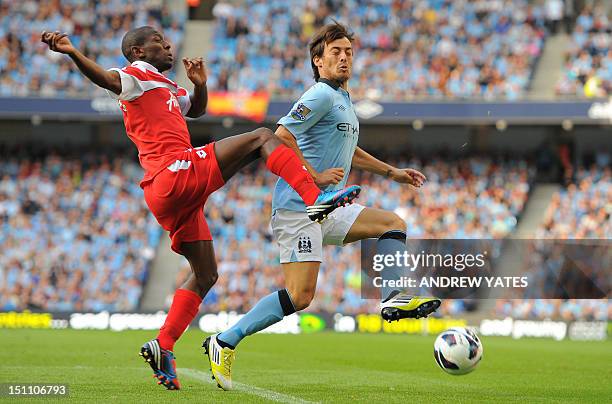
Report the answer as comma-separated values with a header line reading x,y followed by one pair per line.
x,y
304,245
300,112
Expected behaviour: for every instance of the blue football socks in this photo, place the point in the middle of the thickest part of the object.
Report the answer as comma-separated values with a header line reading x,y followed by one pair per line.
x,y
269,310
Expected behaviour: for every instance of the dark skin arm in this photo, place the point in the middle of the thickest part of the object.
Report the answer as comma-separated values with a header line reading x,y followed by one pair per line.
x,y
197,74
109,80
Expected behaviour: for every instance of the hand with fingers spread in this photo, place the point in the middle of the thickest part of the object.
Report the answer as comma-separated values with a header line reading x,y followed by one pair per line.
x,y
407,176
58,42
329,177
196,71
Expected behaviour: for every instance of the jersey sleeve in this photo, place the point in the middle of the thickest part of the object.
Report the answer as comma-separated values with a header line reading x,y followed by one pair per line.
x,y
130,86
183,99
311,107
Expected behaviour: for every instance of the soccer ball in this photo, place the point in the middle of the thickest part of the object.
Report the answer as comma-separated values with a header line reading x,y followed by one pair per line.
x,y
458,350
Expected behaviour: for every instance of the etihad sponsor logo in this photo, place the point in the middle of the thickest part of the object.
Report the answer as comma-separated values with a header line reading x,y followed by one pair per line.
x,y
348,128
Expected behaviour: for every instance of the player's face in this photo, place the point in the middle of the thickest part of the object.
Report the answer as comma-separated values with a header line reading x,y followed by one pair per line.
x,y
337,61
157,51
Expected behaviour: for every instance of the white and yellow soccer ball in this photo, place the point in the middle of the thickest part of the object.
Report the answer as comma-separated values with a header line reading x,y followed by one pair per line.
x,y
458,350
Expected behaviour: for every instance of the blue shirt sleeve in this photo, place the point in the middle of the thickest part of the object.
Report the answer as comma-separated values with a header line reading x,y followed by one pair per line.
x,y
314,105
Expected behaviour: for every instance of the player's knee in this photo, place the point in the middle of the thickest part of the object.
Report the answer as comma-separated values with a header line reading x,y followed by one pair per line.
x,y
394,222
301,298
267,141
207,279
213,277
264,135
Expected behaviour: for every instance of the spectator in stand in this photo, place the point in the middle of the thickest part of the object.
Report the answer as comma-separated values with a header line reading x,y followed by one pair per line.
x,y
581,210
193,8
588,67
554,14
555,309
569,16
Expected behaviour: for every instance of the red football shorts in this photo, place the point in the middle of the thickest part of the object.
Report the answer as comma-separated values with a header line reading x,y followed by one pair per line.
x,y
176,196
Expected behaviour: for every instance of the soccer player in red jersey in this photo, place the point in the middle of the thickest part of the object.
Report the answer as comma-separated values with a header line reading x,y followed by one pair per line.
x,y
179,177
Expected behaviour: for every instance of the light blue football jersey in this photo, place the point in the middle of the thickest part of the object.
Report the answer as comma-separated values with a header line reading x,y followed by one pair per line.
x,y
326,128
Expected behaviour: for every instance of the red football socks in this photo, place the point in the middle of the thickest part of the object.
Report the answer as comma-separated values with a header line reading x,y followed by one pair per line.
x,y
285,163
185,306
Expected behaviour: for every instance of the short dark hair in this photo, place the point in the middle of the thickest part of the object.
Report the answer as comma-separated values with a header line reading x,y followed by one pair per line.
x,y
325,35
135,37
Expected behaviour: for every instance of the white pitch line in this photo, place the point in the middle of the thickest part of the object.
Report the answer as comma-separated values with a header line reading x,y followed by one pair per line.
x,y
246,388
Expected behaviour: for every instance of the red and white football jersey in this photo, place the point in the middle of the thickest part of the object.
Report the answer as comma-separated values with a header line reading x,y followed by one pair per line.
x,y
153,108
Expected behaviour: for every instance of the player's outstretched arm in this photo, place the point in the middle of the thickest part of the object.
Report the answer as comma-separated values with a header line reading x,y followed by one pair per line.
x,y
196,72
365,161
58,42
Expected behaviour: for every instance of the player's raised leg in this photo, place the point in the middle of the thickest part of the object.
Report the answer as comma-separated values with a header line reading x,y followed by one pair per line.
x,y
390,230
301,283
238,151
185,306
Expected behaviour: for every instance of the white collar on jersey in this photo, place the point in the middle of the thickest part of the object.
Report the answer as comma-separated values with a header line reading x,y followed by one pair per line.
x,y
142,65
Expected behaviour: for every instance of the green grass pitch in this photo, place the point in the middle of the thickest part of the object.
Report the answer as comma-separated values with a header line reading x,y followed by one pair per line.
x,y
104,366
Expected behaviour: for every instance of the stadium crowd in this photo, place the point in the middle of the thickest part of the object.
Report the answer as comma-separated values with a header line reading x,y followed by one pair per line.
x,y
468,198
75,233
405,49
588,60
582,212
582,209
28,68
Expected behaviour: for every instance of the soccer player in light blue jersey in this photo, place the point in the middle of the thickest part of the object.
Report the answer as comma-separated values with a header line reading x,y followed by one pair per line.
x,y
323,129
